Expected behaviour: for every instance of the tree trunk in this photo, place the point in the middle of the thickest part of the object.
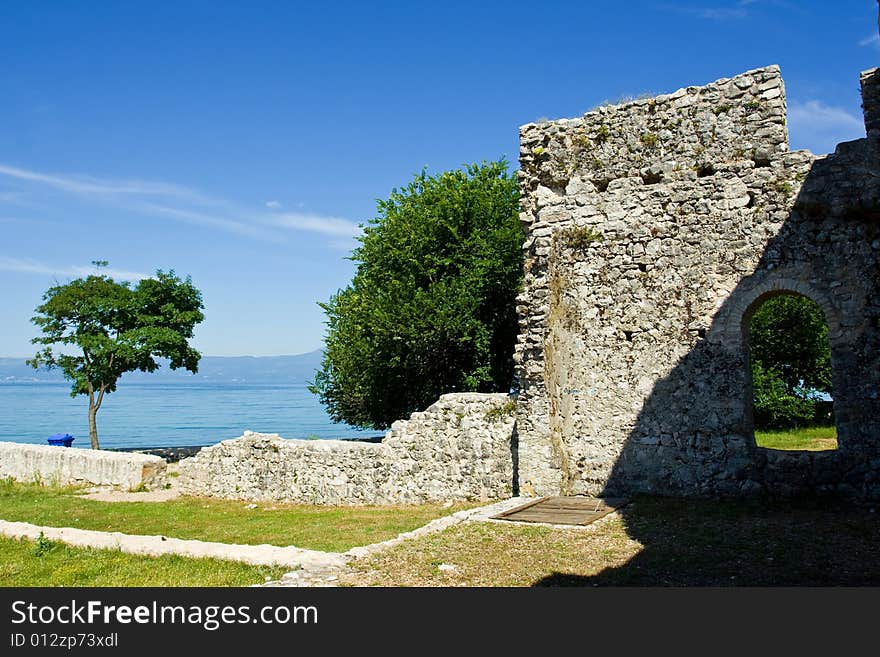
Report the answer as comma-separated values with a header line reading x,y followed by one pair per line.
x,y
93,426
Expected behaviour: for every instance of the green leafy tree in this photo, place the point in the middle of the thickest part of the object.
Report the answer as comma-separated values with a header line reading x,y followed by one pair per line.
x,y
776,406
791,360
432,306
103,328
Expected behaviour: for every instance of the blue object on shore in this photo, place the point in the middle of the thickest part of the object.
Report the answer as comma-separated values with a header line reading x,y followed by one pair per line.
x,y
60,439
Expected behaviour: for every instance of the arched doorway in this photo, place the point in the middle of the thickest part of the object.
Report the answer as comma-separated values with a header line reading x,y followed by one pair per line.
x,y
790,395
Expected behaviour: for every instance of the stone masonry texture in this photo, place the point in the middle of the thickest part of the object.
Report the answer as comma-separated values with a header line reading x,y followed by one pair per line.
x,y
71,465
458,449
654,229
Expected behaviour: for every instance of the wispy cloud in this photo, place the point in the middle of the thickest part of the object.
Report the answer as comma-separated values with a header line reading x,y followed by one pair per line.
x,y
89,186
183,204
722,11
27,221
212,221
721,14
332,226
872,41
10,197
820,127
33,267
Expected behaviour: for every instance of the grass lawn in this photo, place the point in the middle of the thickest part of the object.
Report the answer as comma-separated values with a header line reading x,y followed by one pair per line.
x,y
812,439
654,542
47,563
334,529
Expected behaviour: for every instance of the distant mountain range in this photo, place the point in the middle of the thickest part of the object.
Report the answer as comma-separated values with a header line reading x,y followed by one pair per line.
x,y
212,369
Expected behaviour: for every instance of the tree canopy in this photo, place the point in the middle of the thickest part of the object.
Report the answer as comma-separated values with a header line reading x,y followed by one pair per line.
x,y
791,360
432,306
102,328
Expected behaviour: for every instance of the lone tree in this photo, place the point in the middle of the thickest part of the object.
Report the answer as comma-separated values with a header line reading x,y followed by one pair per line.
x,y
114,328
432,306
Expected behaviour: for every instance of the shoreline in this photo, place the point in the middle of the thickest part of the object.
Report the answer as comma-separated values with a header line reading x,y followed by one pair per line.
x,y
175,454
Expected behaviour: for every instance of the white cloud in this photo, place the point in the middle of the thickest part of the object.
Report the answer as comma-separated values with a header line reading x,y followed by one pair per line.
x,y
89,186
17,198
820,127
872,41
33,267
721,14
725,11
733,11
183,204
219,223
316,224
343,244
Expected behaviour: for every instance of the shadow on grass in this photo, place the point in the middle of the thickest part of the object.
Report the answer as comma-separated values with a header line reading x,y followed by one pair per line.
x,y
712,543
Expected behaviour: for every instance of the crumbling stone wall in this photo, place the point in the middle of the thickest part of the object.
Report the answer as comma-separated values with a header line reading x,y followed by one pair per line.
x,y
654,228
457,449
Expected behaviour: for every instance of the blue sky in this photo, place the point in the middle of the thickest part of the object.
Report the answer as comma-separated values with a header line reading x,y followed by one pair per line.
x,y
243,142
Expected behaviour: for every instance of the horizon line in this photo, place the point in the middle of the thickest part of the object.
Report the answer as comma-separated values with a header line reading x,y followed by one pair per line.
x,y
303,353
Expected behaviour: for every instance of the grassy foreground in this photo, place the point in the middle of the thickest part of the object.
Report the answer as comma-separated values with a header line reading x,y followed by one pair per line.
x,y
333,529
47,563
654,542
811,439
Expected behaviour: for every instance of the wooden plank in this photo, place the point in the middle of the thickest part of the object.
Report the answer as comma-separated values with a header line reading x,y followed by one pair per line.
x,y
560,510
553,520
576,513
592,506
521,508
563,512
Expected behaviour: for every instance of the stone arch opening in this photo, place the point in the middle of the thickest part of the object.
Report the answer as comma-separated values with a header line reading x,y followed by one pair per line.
x,y
789,395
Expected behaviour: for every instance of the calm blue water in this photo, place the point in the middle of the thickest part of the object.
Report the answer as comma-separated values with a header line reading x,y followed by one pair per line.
x,y
166,415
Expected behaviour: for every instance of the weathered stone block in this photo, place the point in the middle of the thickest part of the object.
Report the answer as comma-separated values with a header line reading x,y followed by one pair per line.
x,y
70,465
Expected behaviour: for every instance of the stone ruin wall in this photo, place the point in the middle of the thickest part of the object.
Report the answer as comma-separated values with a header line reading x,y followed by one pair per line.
x,y
457,449
653,229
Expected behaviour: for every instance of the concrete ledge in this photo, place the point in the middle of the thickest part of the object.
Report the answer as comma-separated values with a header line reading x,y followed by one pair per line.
x,y
71,465
312,565
153,546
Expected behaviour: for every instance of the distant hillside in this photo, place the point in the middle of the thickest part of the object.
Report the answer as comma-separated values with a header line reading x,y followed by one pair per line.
x,y
212,369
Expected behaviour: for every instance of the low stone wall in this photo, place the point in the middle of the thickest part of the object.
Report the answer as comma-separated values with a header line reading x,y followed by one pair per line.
x,y
457,449
71,465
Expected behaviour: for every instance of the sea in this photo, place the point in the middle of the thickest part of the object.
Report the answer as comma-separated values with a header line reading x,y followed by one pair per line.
x,y
144,415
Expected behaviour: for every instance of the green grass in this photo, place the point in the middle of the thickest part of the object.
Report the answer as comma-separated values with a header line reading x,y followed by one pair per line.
x,y
811,439
653,542
334,529
47,563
